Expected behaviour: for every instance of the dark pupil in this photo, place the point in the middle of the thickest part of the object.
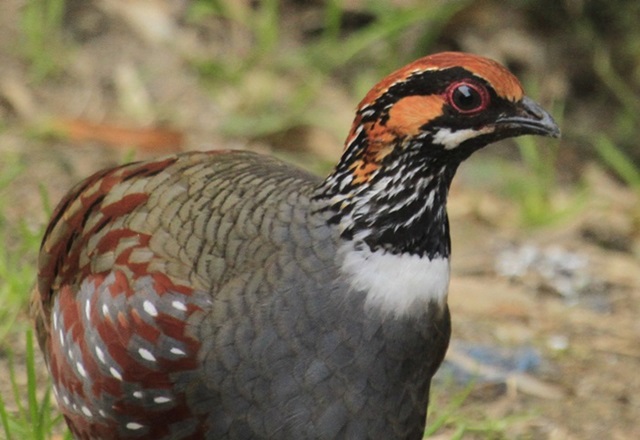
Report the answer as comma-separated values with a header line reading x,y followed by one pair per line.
x,y
466,98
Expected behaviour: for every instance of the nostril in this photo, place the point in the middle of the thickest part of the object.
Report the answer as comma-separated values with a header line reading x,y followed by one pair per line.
x,y
532,108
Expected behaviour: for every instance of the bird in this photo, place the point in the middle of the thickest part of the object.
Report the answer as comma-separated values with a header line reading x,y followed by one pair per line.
x,y
230,295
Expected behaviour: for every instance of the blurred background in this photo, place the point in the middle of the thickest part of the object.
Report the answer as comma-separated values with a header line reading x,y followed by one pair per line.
x,y
545,295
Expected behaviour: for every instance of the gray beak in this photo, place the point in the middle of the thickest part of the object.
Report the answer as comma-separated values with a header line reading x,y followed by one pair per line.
x,y
529,118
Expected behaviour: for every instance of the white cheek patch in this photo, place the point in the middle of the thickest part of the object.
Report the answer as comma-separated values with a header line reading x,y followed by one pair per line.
x,y
451,139
396,284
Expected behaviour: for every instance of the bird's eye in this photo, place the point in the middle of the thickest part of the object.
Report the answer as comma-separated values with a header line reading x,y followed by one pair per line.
x,y
467,97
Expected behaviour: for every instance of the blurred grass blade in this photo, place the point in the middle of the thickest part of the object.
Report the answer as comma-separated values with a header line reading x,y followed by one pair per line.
x,y
4,418
327,55
445,415
267,26
42,23
617,85
619,162
32,386
31,418
332,20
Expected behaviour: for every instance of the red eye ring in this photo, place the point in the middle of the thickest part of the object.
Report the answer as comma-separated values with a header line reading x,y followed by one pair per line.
x,y
467,97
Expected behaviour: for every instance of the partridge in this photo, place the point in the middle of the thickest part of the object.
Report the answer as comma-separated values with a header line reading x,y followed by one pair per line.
x,y
229,295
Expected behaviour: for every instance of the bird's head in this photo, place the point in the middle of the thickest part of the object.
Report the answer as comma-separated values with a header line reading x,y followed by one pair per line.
x,y
442,107
410,133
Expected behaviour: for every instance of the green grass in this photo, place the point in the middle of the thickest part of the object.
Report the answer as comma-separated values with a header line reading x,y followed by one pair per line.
x,y
615,146
274,86
533,188
453,412
618,161
28,413
17,256
42,45
33,416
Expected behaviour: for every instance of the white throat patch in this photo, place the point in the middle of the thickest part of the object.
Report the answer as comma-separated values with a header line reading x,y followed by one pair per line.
x,y
399,285
452,139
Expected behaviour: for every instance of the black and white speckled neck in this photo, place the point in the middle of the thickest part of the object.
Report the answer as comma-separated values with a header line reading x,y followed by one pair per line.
x,y
400,210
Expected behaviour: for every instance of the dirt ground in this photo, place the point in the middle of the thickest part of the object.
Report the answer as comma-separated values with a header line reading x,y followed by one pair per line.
x,y
545,319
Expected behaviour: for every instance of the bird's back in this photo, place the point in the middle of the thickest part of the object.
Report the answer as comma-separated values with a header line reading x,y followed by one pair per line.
x,y
223,290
